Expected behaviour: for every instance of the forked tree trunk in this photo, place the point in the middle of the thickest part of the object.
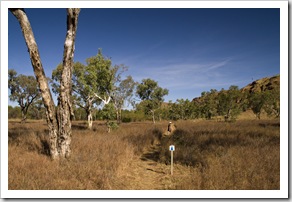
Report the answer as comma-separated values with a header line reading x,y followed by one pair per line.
x,y
59,124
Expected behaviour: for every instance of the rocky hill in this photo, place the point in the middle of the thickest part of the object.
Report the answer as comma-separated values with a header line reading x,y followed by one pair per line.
x,y
267,83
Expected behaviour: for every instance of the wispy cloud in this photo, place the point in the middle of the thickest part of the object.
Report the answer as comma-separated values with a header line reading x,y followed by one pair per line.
x,y
183,68
188,80
216,65
140,55
184,75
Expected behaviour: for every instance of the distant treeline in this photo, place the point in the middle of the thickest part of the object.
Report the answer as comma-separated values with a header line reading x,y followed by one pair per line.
x,y
100,92
226,104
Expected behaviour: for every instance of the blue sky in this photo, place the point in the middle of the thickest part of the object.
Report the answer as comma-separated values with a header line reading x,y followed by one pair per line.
x,y
187,51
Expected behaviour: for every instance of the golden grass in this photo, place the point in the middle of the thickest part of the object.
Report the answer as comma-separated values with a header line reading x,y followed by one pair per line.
x,y
209,155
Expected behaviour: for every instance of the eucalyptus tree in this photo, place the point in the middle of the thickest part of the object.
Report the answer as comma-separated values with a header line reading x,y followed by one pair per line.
x,y
100,75
256,102
82,96
229,103
108,113
267,100
272,106
59,121
24,90
92,84
209,103
123,94
151,95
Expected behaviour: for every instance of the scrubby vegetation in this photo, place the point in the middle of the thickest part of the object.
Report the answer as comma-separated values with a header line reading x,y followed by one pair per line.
x,y
112,148
209,155
227,139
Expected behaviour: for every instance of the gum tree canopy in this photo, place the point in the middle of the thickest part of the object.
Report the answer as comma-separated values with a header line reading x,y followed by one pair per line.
x,y
58,120
92,84
151,95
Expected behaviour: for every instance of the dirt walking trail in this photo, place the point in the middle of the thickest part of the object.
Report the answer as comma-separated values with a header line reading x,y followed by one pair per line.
x,y
147,173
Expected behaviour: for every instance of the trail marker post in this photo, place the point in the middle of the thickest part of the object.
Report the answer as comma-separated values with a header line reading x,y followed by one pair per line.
x,y
171,149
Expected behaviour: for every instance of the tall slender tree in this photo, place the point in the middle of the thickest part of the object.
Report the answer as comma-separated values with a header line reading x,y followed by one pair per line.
x,y
123,92
59,122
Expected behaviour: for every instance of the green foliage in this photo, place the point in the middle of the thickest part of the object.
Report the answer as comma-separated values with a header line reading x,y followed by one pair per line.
x,y
80,113
99,75
149,90
108,112
209,104
92,84
14,112
132,116
257,101
183,109
37,111
112,125
123,93
151,95
230,103
98,81
95,80
145,106
268,101
23,89
272,106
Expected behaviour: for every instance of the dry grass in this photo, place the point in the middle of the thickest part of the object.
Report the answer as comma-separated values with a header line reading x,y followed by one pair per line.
x,y
209,155
242,155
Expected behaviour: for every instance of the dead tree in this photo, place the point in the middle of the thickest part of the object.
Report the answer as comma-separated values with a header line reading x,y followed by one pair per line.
x,y
59,122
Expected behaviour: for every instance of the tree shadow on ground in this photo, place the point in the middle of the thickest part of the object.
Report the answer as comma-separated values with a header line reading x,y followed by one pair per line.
x,y
151,155
45,148
31,141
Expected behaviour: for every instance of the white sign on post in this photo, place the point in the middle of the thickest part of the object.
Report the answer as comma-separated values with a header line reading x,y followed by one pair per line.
x,y
171,149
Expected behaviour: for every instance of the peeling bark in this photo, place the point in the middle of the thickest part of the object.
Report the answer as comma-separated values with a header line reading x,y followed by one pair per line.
x,y
59,123
41,78
65,110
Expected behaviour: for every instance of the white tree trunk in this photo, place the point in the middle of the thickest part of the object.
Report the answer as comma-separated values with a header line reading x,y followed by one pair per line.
x,y
89,120
105,100
88,109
